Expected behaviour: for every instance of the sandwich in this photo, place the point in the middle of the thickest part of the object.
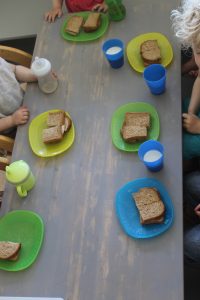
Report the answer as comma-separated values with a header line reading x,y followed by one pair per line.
x,y
137,118
52,134
134,133
150,206
56,118
58,124
74,25
135,126
93,22
9,250
150,52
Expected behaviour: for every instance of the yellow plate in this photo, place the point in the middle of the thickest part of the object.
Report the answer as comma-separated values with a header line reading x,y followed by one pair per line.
x,y
35,137
133,50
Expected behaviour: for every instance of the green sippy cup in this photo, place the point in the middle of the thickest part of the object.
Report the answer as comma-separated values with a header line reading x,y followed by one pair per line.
x,y
116,10
19,174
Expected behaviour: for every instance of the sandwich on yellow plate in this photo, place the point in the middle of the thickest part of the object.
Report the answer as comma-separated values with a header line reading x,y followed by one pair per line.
x,y
150,52
58,125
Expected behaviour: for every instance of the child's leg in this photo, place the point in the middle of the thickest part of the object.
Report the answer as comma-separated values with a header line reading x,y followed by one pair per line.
x,y
192,245
191,145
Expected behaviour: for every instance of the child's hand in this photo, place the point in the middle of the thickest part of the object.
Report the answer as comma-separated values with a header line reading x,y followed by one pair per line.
x,y
20,116
100,7
51,15
197,210
191,123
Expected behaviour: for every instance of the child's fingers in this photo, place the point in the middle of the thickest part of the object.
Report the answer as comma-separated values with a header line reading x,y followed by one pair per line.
x,y
197,208
185,115
96,7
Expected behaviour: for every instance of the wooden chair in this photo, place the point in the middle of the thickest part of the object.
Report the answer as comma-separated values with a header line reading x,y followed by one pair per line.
x,y
17,57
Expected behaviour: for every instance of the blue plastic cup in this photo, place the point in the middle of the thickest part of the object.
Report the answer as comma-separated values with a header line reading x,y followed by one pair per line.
x,y
114,52
151,153
155,77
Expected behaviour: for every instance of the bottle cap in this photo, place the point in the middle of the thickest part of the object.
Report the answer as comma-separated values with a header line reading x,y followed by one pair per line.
x,y
17,172
40,67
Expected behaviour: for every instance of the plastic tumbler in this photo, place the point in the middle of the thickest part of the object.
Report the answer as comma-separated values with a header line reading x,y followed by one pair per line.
x,y
114,52
155,77
151,153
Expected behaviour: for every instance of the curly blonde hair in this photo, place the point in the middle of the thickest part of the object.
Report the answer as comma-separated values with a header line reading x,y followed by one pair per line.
x,y
186,23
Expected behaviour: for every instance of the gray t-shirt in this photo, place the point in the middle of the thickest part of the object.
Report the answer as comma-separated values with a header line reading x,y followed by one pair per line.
x,y
11,94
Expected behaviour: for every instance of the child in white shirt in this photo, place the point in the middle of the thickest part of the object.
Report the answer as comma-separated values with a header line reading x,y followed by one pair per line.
x,y
12,113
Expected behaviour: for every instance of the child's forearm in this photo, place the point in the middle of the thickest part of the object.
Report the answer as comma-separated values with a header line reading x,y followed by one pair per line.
x,y
195,98
24,74
57,3
6,123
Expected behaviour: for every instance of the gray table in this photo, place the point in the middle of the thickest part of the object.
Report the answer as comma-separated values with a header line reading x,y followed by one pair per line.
x,y
85,254
21,18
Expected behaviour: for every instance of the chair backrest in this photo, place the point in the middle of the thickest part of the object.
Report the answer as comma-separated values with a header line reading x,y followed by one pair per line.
x,y
6,146
15,55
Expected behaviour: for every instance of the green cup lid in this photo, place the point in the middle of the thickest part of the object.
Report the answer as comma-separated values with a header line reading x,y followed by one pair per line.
x,y
17,172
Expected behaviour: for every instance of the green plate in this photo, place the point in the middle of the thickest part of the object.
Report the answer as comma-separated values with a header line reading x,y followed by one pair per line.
x,y
133,50
35,137
118,119
85,36
27,228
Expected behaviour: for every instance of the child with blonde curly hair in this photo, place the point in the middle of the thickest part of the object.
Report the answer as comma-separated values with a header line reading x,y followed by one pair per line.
x,y
186,24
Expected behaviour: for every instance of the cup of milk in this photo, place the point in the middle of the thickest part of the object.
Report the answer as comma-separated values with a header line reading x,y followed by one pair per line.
x,y
151,153
114,52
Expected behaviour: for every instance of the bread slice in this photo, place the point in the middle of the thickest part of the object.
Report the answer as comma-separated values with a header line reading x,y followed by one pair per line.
x,y
137,118
131,133
56,118
150,206
8,249
93,22
52,134
150,52
74,25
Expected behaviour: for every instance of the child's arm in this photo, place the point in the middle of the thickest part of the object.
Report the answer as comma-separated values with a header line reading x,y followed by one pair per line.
x,y
195,97
101,7
191,122
19,117
56,11
23,74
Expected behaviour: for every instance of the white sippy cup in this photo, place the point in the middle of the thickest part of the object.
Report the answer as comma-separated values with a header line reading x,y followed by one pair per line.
x,y
47,80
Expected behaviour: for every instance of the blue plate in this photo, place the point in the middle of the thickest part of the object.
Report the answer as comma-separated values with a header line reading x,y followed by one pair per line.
x,y
127,211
